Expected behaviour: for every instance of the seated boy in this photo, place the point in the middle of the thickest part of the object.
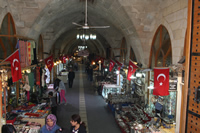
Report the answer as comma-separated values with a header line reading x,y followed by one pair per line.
x,y
53,103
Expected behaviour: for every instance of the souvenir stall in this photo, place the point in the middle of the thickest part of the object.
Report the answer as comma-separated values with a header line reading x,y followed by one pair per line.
x,y
22,91
169,102
149,112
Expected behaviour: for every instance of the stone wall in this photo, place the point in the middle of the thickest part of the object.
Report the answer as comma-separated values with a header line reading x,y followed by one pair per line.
x,y
173,16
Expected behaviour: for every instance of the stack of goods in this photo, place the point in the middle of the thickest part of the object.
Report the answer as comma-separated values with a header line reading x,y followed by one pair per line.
x,y
30,127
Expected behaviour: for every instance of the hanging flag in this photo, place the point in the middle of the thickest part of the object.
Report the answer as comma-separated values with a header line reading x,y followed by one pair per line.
x,y
119,65
161,81
111,65
63,59
49,62
131,69
15,66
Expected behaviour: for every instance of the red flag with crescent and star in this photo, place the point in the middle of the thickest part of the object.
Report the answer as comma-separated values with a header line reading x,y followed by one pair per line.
x,y
63,59
131,69
119,65
161,81
15,66
111,65
49,62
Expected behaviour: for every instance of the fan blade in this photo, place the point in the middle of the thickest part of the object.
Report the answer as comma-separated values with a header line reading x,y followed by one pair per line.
x,y
76,24
96,27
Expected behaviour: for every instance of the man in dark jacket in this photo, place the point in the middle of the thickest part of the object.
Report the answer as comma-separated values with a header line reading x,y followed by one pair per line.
x,y
71,77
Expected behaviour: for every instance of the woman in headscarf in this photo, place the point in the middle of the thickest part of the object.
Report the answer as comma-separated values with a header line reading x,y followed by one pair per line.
x,y
50,126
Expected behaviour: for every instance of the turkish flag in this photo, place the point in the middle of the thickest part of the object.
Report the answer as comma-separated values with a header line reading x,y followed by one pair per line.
x,y
49,62
131,69
63,59
119,65
111,65
161,81
15,66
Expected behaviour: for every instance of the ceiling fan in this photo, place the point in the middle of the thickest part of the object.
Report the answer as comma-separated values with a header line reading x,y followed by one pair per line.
x,y
86,26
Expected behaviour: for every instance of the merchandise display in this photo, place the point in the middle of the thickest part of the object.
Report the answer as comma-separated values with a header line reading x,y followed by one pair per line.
x,y
32,113
110,89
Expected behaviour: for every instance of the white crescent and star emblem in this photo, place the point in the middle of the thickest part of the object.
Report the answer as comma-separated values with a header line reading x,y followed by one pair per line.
x,y
161,75
111,63
13,63
49,60
131,68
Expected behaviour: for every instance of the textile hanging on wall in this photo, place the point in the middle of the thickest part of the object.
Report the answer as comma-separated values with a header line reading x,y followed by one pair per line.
x,y
29,53
37,76
31,80
22,50
32,52
27,50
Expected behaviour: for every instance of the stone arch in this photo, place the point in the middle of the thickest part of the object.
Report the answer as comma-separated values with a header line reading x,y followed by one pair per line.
x,y
161,49
7,39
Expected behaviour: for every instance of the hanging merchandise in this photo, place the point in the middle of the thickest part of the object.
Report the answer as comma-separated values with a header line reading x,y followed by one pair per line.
x,y
47,73
32,50
22,51
15,66
49,62
161,81
37,76
29,53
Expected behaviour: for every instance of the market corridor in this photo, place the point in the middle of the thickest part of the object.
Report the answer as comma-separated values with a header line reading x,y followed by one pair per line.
x,y
83,99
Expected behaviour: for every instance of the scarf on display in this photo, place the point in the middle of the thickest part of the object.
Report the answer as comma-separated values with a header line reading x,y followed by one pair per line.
x,y
53,118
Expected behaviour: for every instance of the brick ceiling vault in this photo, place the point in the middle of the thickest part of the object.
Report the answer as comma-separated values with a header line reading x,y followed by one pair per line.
x,y
132,19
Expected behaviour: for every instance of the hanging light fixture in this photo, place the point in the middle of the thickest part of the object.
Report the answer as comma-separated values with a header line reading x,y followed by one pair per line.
x,y
83,35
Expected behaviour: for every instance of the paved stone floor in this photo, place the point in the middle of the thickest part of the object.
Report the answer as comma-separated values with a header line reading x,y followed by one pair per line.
x,y
83,99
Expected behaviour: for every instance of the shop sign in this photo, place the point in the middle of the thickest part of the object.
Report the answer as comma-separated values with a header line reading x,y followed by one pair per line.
x,y
173,84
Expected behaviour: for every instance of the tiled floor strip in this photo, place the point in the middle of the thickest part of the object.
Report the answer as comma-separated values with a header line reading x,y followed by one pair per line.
x,y
82,107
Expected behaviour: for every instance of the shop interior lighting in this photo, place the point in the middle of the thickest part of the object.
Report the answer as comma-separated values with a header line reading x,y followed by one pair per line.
x,y
28,70
60,61
117,72
139,75
132,77
106,69
150,87
93,63
55,63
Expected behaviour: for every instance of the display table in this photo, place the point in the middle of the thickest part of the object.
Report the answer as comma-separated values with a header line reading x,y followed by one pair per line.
x,y
38,120
35,113
110,88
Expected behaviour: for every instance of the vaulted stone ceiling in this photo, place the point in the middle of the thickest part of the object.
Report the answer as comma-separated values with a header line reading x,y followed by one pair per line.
x,y
132,19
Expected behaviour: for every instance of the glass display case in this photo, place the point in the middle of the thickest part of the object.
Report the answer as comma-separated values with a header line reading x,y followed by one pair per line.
x,y
169,106
110,89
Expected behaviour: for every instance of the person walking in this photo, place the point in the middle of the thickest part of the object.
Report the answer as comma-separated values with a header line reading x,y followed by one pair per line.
x,y
90,73
77,126
60,87
71,76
